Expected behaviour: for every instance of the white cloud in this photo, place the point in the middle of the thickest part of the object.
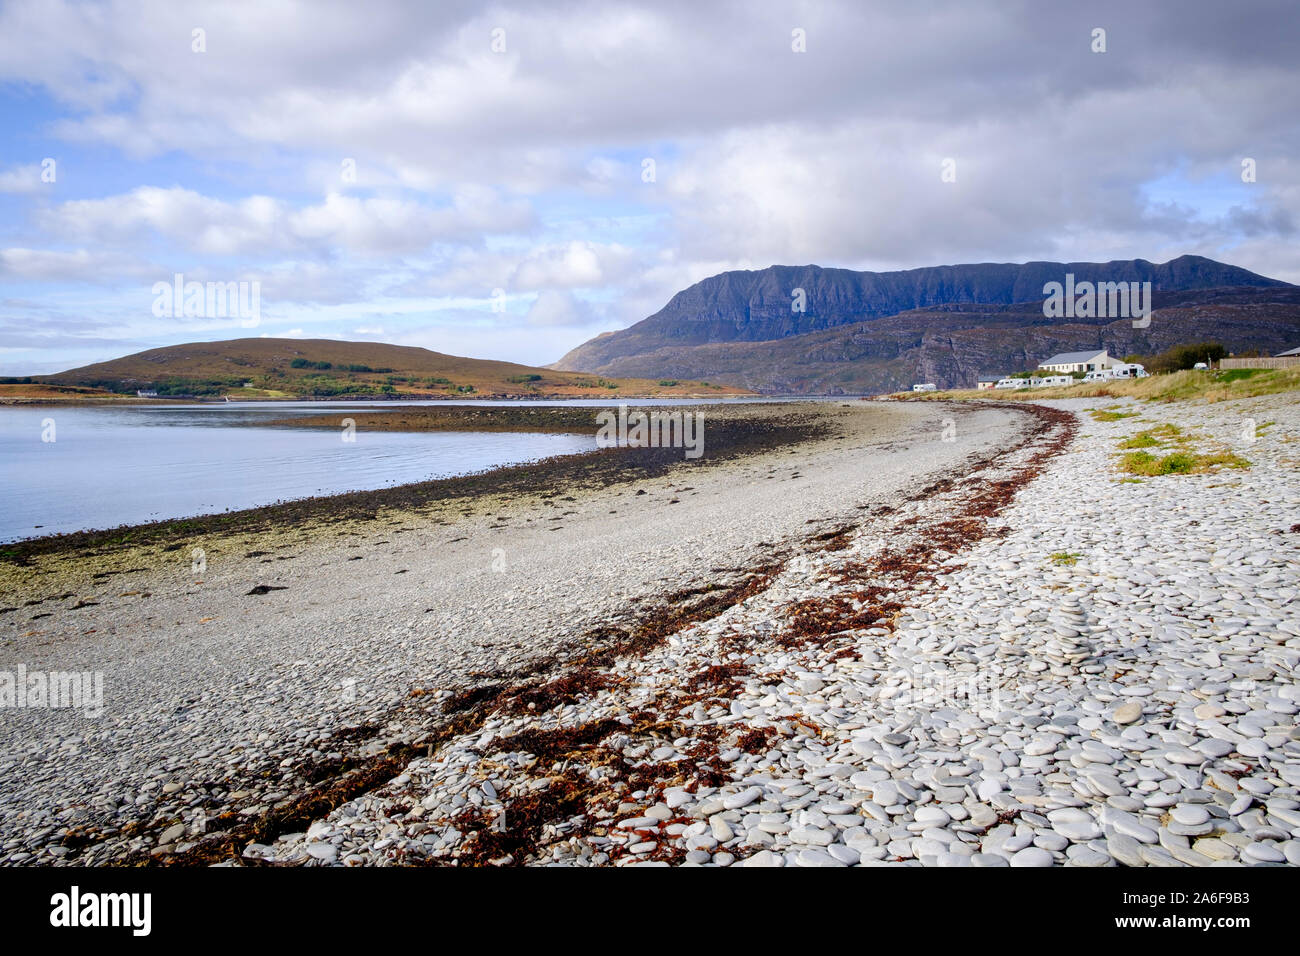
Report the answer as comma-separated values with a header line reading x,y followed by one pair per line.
x,y
76,265
259,224
559,308
21,179
521,171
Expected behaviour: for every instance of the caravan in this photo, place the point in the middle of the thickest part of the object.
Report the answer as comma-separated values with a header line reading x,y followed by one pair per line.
x,y
1053,381
1128,370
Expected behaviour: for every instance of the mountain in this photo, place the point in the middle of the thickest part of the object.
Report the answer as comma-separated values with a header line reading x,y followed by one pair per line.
x,y
281,368
866,331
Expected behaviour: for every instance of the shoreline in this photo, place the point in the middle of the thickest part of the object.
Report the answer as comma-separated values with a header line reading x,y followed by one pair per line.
x,y
822,692
580,568
958,694
730,435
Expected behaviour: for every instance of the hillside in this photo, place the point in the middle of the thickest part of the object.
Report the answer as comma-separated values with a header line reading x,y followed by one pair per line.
x,y
324,368
951,346
864,331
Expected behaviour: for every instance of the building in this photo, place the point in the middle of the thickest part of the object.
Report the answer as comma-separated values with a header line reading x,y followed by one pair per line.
x,y
987,381
1288,353
1067,362
145,393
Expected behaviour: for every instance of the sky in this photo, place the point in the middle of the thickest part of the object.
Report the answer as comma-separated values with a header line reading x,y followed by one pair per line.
x,y
509,180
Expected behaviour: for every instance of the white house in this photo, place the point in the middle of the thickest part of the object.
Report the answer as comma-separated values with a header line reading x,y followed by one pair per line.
x,y
1067,362
987,381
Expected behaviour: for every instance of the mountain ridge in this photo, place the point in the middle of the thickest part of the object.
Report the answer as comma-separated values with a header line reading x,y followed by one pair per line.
x,y
730,327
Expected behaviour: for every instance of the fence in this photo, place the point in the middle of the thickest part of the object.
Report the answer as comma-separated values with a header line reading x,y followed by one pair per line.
x,y
1287,361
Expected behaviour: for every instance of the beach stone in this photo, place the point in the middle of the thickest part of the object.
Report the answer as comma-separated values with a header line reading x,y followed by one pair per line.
x,y
1189,814
742,799
1031,856
1215,849
1263,853
325,852
1127,712
1125,849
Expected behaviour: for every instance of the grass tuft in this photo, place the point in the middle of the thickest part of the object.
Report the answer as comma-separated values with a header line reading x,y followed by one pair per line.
x,y
1179,463
1099,416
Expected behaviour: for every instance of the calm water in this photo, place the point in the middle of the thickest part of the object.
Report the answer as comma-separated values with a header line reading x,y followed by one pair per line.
x,y
113,466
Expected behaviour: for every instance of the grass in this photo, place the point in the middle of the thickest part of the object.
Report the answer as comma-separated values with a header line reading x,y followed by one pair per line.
x,y
1103,416
1065,558
1157,437
1176,387
1182,458
1237,374
1179,463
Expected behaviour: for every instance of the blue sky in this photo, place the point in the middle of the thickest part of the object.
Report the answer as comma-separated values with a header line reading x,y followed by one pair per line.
x,y
521,169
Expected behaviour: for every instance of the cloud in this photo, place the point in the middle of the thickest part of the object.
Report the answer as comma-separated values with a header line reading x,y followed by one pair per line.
x,y
259,224
75,265
557,308
521,170
21,179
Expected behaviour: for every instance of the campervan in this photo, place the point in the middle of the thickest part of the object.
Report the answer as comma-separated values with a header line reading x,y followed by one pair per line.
x,y
927,387
1098,375
1012,383
1128,370
1053,381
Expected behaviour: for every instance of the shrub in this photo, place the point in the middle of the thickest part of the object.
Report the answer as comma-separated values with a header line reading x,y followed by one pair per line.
x,y
1180,357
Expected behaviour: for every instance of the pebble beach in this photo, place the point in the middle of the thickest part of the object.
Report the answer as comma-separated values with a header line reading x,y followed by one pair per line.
x,y
1131,706
970,642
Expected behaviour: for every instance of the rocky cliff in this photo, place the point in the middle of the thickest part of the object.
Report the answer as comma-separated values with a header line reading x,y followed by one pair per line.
x,y
868,332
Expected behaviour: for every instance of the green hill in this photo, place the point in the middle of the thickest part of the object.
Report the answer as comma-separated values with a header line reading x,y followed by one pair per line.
x,y
326,368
